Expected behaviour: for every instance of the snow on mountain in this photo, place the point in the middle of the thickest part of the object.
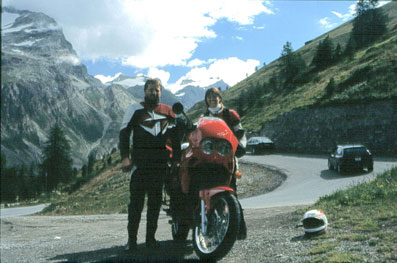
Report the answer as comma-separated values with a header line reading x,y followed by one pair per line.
x,y
43,82
190,92
127,81
135,86
201,83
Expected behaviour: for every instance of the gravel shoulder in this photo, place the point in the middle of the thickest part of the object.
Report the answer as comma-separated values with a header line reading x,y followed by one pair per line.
x,y
258,179
100,238
274,235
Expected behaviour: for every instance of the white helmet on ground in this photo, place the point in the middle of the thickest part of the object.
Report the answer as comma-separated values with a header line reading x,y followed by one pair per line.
x,y
314,221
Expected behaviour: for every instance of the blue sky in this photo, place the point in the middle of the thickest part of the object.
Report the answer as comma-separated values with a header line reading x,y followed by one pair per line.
x,y
187,39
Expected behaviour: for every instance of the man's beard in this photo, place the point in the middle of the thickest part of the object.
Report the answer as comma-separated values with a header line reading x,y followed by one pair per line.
x,y
151,101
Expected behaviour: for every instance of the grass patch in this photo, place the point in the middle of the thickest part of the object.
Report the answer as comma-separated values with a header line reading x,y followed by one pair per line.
x,y
342,257
353,237
368,225
362,218
337,257
323,248
105,192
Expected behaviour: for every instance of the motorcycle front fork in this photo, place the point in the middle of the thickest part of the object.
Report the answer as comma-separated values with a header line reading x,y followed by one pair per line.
x,y
204,219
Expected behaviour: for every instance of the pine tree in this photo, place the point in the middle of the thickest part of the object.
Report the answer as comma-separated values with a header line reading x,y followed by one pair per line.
x,y
330,88
90,165
2,175
33,187
369,24
23,186
337,53
324,54
84,171
292,63
365,5
57,163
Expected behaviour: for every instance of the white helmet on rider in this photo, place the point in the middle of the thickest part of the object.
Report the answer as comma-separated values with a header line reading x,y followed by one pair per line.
x,y
314,221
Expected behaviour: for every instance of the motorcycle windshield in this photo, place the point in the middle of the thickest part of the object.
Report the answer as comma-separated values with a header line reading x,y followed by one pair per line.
x,y
217,128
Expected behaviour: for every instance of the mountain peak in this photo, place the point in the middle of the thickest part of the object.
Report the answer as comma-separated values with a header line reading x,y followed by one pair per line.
x,y
128,81
25,21
35,34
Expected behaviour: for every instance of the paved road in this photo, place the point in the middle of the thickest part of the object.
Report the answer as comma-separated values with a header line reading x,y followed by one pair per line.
x,y
308,178
21,211
100,238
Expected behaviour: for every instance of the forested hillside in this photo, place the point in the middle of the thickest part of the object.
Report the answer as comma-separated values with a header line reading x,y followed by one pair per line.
x,y
338,88
333,69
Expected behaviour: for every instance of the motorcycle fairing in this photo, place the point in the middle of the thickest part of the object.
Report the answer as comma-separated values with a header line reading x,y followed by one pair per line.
x,y
193,156
215,128
207,194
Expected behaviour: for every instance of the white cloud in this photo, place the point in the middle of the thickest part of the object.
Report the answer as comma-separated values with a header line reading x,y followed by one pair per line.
x,y
242,12
231,70
350,13
259,27
325,22
71,59
143,34
196,62
164,76
346,16
381,3
105,79
238,38
337,14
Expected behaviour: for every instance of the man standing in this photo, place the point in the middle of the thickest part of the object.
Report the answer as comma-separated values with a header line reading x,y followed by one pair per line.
x,y
149,121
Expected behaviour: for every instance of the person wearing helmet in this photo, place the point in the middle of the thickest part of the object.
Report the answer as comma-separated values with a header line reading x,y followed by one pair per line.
x,y
314,222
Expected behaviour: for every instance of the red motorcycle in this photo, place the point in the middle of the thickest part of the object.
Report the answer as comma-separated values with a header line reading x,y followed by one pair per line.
x,y
200,194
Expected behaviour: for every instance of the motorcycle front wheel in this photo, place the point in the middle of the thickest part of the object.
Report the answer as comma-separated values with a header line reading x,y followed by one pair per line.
x,y
223,226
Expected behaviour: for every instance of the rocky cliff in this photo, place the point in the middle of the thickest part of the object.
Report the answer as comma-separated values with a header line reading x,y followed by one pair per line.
x,y
43,82
318,130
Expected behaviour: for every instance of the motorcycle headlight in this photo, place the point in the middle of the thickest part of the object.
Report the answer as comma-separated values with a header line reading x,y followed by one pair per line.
x,y
207,146
224,148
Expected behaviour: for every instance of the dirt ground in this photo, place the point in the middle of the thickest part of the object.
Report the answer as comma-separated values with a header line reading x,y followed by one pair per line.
x,y
100,238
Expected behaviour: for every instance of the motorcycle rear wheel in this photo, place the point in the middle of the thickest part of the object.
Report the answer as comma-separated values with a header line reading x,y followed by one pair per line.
x,y
223,226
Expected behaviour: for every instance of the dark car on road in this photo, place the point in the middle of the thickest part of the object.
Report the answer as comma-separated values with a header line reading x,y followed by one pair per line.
x,y
258,145
350,157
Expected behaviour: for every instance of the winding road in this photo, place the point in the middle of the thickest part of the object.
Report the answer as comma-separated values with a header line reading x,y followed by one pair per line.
x,y
21,211
100,238
308,178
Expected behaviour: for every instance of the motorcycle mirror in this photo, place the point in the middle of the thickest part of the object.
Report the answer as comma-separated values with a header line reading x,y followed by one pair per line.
x,y
177,108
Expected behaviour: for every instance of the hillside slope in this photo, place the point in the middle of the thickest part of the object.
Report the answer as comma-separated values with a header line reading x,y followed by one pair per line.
x,y
369,76
377,64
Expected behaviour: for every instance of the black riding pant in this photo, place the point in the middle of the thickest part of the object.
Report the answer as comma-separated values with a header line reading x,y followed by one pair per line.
x,y
145,181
